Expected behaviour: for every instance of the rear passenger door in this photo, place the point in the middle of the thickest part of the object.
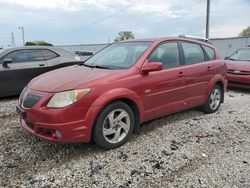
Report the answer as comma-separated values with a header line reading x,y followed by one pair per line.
x,y
164,91
199,72
25,65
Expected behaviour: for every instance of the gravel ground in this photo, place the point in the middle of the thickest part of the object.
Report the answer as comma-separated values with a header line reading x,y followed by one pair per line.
x,y
187,149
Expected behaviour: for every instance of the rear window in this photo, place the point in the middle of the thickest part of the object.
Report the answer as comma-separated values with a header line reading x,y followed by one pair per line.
x,y
210,52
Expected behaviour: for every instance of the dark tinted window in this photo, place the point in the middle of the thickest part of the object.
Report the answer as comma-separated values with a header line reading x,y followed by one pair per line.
x,y
193,53
167,54
210,52
47,54
24,56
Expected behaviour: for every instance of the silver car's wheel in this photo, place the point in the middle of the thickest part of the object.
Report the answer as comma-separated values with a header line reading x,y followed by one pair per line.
x,y
215,99
116,126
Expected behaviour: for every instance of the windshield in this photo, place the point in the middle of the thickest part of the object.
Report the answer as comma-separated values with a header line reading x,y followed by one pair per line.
x,y
241,55
118,56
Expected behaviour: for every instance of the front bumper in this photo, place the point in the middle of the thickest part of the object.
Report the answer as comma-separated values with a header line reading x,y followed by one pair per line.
x,y
66,125
241,81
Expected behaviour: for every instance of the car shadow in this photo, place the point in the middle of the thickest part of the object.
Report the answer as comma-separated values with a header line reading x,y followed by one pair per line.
x,y
239,90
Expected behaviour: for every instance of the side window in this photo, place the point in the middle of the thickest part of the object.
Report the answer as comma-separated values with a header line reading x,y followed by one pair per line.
x,y
210,52
20,56
47,54
167,54
193,53
34,55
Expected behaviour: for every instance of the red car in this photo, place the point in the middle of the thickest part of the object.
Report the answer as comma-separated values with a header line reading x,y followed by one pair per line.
x,y
125,84
238,65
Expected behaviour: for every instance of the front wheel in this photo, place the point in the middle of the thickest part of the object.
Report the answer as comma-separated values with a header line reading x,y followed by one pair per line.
x,y
214,100
113,125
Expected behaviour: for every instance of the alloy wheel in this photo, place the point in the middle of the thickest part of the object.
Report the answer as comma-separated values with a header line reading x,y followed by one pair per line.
x,y
215,98
116,126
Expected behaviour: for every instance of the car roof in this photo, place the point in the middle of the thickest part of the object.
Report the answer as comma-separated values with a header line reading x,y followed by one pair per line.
x,y
31,47
55,49
162,39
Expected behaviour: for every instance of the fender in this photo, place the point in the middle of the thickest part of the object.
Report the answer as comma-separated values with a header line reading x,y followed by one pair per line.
x,y
212,82
118,93
108,97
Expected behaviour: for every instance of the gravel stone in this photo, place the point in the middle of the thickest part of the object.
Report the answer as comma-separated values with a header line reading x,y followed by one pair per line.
x,y
186,150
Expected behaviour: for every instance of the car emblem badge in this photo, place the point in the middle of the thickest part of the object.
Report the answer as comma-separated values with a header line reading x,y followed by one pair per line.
x,y
147,90
236,71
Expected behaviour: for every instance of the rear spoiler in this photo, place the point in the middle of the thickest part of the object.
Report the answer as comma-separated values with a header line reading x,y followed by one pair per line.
x,y
196,38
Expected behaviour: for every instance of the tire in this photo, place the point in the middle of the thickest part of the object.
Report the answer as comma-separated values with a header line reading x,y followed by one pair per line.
x,y
214,100
113,125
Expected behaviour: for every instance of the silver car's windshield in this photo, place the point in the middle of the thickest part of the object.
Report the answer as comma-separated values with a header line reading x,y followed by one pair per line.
x,y
241,55
118,55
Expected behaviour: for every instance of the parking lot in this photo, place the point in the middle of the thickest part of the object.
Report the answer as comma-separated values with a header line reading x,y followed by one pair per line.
x,y
187,149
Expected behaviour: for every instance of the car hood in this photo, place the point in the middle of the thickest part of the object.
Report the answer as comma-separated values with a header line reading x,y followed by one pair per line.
x,y
238,65
67,78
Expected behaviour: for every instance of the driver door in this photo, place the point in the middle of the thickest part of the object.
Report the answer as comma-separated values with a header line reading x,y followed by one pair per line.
x,y
165,90
25,65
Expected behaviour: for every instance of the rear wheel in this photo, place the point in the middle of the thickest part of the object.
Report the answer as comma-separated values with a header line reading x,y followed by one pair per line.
x,y
113,125
214,100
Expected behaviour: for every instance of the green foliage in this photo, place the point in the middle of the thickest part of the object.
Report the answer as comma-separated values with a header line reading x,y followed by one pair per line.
x,y
245,32
124,35
38,43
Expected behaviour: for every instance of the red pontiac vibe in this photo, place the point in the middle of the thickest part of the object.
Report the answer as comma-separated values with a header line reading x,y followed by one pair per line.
x,y
122,86
238,65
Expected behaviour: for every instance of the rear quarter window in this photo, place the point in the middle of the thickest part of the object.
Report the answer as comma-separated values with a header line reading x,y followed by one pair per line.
x,y
210,52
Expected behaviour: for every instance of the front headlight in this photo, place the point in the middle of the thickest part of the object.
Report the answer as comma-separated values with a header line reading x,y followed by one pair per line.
x,y
66,98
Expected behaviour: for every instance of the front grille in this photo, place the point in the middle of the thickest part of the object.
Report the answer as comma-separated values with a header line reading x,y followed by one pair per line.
x,y
237,72
239,83
30,100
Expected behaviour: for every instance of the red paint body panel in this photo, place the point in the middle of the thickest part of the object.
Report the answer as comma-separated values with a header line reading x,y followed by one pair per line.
x,y
155,94
238,74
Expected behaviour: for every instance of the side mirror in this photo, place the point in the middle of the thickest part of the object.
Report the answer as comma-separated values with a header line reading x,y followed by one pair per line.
x,y
7,61
151,67
226,58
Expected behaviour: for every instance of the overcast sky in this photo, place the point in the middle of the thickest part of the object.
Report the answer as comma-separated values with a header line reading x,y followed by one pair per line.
x,y
99,21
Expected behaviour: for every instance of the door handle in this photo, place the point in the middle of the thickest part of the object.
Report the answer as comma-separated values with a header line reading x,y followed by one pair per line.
x,y
180,74
41,65
209,68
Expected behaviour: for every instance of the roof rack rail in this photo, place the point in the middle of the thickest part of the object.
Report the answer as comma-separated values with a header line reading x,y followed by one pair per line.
x,y
195,38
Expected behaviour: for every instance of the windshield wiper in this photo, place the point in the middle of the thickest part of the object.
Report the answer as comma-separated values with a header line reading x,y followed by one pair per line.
x,y
97,66
87,65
